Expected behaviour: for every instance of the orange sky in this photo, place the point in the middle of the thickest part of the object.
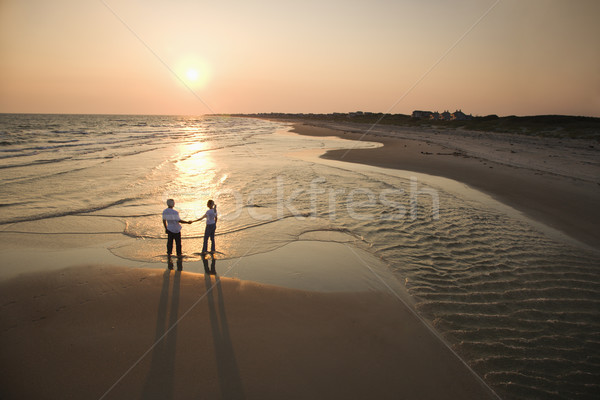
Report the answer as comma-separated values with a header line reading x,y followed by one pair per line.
x,y
524,57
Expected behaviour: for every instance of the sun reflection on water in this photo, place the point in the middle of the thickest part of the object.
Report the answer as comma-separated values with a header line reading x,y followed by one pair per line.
x,y
197,180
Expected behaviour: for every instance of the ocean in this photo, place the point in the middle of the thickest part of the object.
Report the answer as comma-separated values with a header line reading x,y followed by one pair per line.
x,y
517,301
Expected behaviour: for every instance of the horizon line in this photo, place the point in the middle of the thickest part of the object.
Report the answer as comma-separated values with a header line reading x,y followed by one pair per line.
x,y
276,113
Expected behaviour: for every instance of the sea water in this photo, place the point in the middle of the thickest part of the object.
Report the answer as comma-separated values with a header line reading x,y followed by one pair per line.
x,y
519,305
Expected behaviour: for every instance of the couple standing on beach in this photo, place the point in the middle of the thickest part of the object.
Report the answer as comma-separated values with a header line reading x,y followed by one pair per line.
x,y
172,223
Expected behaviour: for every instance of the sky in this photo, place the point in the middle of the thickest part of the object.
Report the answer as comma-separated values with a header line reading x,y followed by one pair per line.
x,y
192,57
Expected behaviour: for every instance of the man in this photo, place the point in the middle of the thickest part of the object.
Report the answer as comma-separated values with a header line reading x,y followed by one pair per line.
x,y
172,224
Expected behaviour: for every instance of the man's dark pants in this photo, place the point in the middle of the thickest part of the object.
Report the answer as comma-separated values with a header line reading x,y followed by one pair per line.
x,y
177,237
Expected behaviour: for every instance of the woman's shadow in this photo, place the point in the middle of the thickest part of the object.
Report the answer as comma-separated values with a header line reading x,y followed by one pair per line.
x,y
212,270
230,381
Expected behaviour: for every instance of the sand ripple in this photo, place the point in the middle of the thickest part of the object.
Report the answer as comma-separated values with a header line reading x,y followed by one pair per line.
x,y
520,308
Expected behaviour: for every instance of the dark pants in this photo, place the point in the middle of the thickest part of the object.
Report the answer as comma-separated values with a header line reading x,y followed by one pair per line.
x,y
209,232
177,237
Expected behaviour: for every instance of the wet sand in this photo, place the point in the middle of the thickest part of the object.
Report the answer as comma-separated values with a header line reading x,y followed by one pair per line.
x,y
121,333
556,182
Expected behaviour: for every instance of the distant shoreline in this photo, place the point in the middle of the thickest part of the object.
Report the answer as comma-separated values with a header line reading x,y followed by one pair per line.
x,y
557,126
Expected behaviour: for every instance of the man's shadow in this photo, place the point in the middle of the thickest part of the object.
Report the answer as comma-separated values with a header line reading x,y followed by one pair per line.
x,y
160,379
230,382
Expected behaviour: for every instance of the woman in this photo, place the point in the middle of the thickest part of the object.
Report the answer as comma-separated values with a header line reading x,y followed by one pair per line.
x,y
211,226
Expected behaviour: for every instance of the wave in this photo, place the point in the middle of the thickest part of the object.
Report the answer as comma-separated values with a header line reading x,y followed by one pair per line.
x,y
61,144
15,204
17,154
34,151
63,141
75,157
11,150
70,131
57,147
125,215
64,233
82,211
135,153
35,163
188,156
44,177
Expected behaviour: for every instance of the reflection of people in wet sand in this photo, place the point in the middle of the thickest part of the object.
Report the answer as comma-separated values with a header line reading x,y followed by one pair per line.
x,y
211,226
179,264
212,270
172,224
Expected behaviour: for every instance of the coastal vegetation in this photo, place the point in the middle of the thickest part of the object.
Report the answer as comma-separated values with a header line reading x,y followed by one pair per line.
x,y
559,126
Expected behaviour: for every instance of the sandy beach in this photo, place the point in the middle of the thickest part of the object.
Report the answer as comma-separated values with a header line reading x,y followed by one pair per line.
x,y
121,333
301,302
554,181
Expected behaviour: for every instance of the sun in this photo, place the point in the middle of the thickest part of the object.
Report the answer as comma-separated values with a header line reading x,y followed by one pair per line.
x,y
192,74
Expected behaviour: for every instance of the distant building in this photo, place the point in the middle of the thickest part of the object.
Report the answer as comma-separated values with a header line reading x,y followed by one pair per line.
x,y
422,114
355,114
460,116
457,115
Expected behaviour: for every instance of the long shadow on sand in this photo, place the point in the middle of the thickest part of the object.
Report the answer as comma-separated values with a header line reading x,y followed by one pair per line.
x,y
160,380
230,382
